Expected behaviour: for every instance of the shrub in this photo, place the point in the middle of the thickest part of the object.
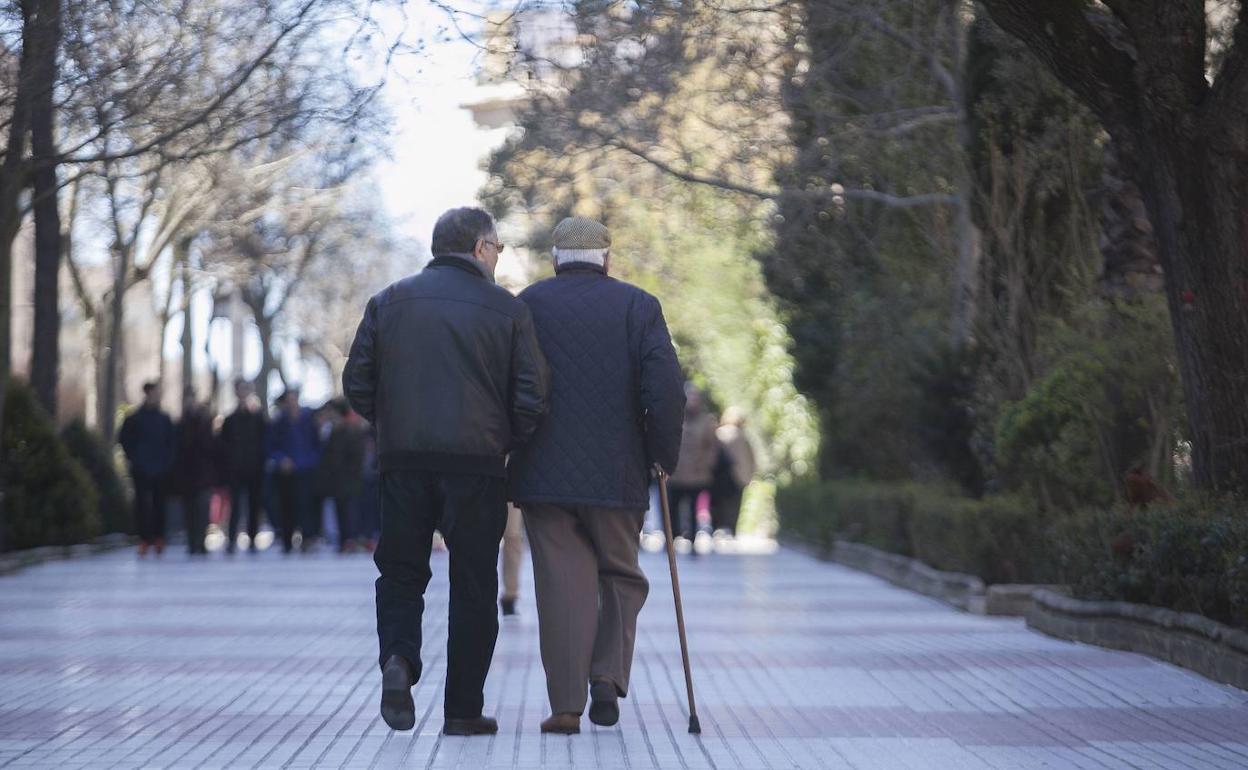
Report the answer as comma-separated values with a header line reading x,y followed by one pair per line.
x,y
1000,539
88,448
1190,557
803,512
49,499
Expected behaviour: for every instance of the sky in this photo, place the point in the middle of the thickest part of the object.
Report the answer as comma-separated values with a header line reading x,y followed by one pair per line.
x,y
434,162
437,150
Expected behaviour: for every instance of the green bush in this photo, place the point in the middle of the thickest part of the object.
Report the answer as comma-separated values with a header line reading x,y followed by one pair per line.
x,y
88,448
49,499
1192,557
1000,539
805,513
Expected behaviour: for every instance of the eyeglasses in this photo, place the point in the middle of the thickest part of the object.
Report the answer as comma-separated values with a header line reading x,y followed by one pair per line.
x,y
498,247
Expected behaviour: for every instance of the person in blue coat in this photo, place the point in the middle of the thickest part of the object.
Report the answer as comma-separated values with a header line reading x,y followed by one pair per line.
x,y
147,438
616,407
294,451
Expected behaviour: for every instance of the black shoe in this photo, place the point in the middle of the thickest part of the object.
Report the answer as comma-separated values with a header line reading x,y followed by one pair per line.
x,y
604,707
397,707
508,606
472,726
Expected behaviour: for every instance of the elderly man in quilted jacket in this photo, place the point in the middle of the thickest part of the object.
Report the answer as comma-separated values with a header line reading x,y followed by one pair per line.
x,y
617,402
446,365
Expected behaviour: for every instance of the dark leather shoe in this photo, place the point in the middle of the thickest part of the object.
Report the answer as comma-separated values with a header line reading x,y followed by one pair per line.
x,y
604,707
562,724
397,707
472,726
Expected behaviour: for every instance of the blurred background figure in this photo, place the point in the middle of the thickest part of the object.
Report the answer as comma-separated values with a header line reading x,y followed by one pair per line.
x,y
342,468
194,472
242,449
734,470
513,557
694,472
369,504
294,451
147,439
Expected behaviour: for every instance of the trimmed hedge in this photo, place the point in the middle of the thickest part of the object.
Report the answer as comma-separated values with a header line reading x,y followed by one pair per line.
x,y
1191,557
88,448
49,497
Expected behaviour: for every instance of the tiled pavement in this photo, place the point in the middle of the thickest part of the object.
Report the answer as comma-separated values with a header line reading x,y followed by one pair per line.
x,y
265,661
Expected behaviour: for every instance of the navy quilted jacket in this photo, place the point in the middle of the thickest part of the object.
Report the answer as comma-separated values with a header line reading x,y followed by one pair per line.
x,y
617,396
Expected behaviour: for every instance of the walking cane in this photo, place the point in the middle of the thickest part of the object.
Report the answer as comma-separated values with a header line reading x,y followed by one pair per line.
x,y
694,726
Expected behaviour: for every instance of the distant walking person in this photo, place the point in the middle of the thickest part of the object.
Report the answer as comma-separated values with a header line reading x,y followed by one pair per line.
x,y
242,446
695,470
294,450
146,437
342,469
446,365
194,470
583,482
735,472
513,558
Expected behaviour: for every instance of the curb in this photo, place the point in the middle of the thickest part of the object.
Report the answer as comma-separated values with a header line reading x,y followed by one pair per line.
x,y
18,560
966,592
1185,639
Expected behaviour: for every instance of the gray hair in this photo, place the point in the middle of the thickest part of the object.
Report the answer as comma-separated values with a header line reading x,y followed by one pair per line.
x,y
594,256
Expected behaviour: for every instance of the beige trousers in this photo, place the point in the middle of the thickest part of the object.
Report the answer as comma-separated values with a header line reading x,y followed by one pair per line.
x,y
513,553
590,589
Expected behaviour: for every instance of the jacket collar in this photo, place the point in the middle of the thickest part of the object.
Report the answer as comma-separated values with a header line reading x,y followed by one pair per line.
x,y
465,262
580,266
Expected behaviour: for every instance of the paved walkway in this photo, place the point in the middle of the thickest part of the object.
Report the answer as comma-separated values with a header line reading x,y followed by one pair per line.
x,y
266,661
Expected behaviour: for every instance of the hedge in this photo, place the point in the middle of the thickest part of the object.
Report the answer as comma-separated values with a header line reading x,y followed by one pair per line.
x,y
1191,557
49,497
88,448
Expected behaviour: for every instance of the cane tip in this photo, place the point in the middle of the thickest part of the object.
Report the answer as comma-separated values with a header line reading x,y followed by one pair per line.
x,y
695,728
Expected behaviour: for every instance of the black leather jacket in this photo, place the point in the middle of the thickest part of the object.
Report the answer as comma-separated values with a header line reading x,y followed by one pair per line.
x,y
446,365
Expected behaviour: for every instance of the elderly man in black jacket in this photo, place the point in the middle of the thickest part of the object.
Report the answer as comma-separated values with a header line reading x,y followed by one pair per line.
x,y
447,367
583,482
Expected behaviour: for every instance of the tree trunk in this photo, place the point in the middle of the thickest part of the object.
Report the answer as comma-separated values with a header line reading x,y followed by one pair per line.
x,y
12,180
268,363
181,257
1197,199
112,353
45,345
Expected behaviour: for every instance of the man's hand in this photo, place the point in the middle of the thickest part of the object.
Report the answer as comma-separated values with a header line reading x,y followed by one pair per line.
x,y
286,465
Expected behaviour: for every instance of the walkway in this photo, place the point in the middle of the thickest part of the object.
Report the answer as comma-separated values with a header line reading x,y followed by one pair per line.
x,y
265,661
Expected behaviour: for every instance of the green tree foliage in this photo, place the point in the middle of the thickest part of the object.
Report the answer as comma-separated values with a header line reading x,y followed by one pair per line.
x,y
88,448
49,497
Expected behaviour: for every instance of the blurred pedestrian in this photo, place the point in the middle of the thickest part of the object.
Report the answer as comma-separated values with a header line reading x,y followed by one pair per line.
x,y
242,442
445,364
147,439
194,469
294,451
699,449
369,505
733,473
342,468
513,557
583,482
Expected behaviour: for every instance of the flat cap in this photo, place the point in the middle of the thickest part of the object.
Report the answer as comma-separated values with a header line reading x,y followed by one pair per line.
x,y
581,233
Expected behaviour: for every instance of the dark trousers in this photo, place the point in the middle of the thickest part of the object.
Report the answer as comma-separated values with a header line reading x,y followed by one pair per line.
x,y
345,513
195,508
726,508
684,502
149,506
294,504
252,488
471,513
